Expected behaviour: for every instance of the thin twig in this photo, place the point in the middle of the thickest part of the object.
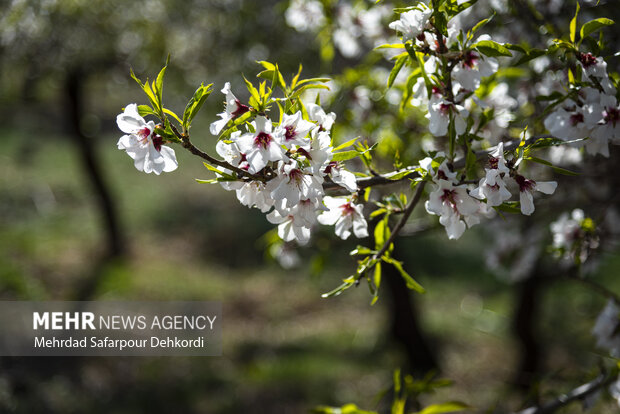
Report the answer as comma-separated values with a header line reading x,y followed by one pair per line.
x,y
186,143
578,393
384,179
402,221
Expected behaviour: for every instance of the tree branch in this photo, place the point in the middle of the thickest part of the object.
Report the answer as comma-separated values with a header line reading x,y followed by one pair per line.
x,y
402,221
186,143
384,179
576,394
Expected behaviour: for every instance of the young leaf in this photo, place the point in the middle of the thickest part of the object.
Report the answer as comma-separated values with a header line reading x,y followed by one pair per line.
x,y
491,48
396,69
448,407
573,25
594,25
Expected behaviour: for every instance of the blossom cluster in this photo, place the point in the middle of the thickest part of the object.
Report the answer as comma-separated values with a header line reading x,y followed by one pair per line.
x,y
460,205
591,114
294,157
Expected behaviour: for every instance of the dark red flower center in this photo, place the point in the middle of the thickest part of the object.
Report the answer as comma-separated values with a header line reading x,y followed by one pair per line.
x,y
444,108
157,141
442,175
470,59
241,109
290,132
449,196
493,161
587,59
262,139
576,119
295,175
611,115
331,166
304,153
524,183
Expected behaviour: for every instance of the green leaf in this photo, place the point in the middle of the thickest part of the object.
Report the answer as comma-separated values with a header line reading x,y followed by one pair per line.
x,y
144,110
345,155
396,69
361,251
159,83
411,283
347,284
441,23
594,25
400,175
194,104
491,48
382,232
573,24
558,170
172,114
346,144
479,25
345,409
448,407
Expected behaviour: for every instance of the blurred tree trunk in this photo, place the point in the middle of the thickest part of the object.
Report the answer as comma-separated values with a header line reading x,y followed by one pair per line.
x,y
404,322
526,314
114,240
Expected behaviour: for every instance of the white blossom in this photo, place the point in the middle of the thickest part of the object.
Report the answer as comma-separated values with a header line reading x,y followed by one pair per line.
x,y
142,144
260,147
439,113
527,187
345,215
453,206
492,186
233,108
412,22
293,130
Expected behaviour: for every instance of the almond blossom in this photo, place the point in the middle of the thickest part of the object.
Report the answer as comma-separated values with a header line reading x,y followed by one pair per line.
x,y
473,67
142,144
293,131
454,206
527,187
412,22
439,113
492,186
345,215
233,108
260,147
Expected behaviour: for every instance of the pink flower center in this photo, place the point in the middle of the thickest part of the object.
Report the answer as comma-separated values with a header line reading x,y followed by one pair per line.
x,y
436,90
470,59
611,115
524,183
576,119
347,209
444,108
241,109
263,139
